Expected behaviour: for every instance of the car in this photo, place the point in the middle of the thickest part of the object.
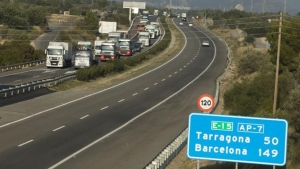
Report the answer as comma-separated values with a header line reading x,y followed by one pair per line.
x,y
137,46
190,24
180,23
205,43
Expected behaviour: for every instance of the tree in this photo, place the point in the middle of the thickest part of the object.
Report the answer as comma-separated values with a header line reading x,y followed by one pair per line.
x,y
91,22
102,3
290,44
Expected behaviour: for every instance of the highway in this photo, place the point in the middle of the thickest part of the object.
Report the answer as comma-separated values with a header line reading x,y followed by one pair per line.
x,y
163,98
22,76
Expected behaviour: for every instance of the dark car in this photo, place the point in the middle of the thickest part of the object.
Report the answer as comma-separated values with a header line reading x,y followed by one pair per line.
x,y
137,46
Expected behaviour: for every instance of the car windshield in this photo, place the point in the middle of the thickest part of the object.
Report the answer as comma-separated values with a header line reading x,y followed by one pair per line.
x,y
143,37
108,47
82,53
137,45
124,43
55,52
98,47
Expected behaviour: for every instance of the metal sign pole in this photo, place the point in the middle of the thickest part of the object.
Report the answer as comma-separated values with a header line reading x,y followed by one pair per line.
x,y
198,164
236,165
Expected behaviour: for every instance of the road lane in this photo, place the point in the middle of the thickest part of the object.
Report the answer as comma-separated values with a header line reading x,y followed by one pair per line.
x,y
48,148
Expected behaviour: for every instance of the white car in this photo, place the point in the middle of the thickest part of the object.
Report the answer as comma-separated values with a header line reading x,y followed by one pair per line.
x,y
205,43
190,24
180,23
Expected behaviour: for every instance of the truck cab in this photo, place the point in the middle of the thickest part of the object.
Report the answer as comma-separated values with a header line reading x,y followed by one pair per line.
x,y
144,38
126,48
83,56
59,54
97,49
140,27
151,30
109,51
114,36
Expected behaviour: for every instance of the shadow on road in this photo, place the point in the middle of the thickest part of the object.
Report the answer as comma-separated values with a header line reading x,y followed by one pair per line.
x,y
24,96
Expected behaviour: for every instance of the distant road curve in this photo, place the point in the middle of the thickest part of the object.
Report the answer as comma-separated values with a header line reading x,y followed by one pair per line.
x,y
42,41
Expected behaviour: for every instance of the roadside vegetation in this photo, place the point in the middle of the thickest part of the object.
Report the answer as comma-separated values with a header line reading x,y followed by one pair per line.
x,y
250,89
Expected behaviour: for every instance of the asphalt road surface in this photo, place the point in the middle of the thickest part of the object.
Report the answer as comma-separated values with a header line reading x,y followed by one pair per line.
x,y
97,127
23,76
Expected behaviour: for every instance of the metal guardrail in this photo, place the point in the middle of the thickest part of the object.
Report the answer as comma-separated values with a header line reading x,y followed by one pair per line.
x,y
164,158
22,65
35,62
35,85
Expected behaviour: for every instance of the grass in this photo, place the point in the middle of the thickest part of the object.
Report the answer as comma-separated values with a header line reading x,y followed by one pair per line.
x,y
167,54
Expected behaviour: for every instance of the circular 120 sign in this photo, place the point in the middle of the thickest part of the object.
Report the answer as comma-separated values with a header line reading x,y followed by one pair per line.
x,y
206,102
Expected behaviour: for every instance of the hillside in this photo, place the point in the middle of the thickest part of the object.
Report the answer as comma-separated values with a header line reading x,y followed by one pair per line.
x,y
270,5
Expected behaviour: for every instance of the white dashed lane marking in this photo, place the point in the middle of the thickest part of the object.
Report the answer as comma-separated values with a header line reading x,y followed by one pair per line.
x,y
104,108
84,117
58,128
20,145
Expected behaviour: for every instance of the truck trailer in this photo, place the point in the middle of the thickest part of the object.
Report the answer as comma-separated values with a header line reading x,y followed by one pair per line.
x,y
59,54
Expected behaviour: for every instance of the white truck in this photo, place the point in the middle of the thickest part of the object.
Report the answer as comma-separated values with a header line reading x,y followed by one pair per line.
x,y
83,55
151,30
59,54
155,12
106,27
97,49
183,17
144,38
114,36
145,15
156,27
144,21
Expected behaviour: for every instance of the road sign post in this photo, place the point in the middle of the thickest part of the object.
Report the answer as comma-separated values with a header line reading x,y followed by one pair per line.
x,y
237,139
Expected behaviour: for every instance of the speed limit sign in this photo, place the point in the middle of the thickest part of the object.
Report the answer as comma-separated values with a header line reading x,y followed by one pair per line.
x,y
206,102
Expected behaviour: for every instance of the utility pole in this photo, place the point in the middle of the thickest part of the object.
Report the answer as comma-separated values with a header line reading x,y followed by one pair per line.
x,y
264,1
277,67
251,5
284,10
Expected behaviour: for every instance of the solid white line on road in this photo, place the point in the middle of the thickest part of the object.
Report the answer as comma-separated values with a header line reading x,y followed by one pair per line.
x,y
36,76
134,94
104,108
170,76
59,128
84,117
155,84
121,100
145,112
146,88
25,143
17,80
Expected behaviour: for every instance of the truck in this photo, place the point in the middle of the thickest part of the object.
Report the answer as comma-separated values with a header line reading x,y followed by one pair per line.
x,y
145,15
109,51
83,55
126,48
140,28
151,30
155,12
114,36
144,38
183,17
106,27
97,49
124,34
59,54
144,21
156,27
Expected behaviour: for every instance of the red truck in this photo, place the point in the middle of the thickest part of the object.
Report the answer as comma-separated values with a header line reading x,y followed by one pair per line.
x,y
140,27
